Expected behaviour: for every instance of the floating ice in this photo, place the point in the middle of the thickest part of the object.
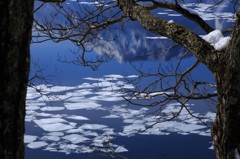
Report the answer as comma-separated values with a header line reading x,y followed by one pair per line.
x,y
51,138
113,76
29,138
132,76
133,129
49,121
173,126
133,121
93,126
52,108
156,37
85,85
56,127
42,114
75,138
63,135
55,134
83,92
53,124
84,105
28,108
111,116
35,145
89,133
77,117
121,149
106,98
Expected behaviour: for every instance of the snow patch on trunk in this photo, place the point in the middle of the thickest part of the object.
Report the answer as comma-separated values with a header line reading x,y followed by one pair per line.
x,y
217,40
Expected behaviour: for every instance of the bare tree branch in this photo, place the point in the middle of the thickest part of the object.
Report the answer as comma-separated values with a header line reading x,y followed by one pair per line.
x,y
182,10
178,33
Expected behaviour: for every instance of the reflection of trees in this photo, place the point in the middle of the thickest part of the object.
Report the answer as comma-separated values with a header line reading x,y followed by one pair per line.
x,y
90,26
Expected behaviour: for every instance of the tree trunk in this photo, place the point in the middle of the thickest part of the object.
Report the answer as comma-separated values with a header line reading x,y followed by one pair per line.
x,y
15,37
226,128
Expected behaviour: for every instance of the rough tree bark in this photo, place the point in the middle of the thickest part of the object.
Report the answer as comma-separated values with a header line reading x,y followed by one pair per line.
x,y
225,65
226,128
15,36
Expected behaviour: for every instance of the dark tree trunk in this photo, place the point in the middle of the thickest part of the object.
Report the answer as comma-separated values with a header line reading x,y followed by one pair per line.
x,y
225,65
226,128
16,18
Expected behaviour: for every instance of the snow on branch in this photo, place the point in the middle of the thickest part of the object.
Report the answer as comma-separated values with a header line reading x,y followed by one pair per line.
x,y
217,40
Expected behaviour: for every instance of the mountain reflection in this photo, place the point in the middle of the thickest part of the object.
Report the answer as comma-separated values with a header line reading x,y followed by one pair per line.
x,y
135,43
126,40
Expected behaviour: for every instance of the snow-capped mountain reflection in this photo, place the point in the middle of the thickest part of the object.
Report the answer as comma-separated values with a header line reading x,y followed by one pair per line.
x,y
131,42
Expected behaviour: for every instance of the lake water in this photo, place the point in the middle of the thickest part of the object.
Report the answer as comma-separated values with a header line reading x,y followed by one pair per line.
x,y
76,121
81,113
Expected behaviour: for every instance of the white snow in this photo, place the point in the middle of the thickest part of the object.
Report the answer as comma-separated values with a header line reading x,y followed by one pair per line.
x,y
170,22
217,40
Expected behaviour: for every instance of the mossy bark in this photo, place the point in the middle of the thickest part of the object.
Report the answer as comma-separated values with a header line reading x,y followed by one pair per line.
x,y
15,37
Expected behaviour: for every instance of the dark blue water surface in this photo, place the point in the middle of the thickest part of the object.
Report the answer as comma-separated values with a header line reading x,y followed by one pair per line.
x,y
179,140
172,146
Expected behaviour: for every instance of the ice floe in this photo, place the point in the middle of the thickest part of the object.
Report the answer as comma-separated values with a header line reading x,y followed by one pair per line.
x,y
52,108
29,138
88,105
38,144
72,128
93,126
